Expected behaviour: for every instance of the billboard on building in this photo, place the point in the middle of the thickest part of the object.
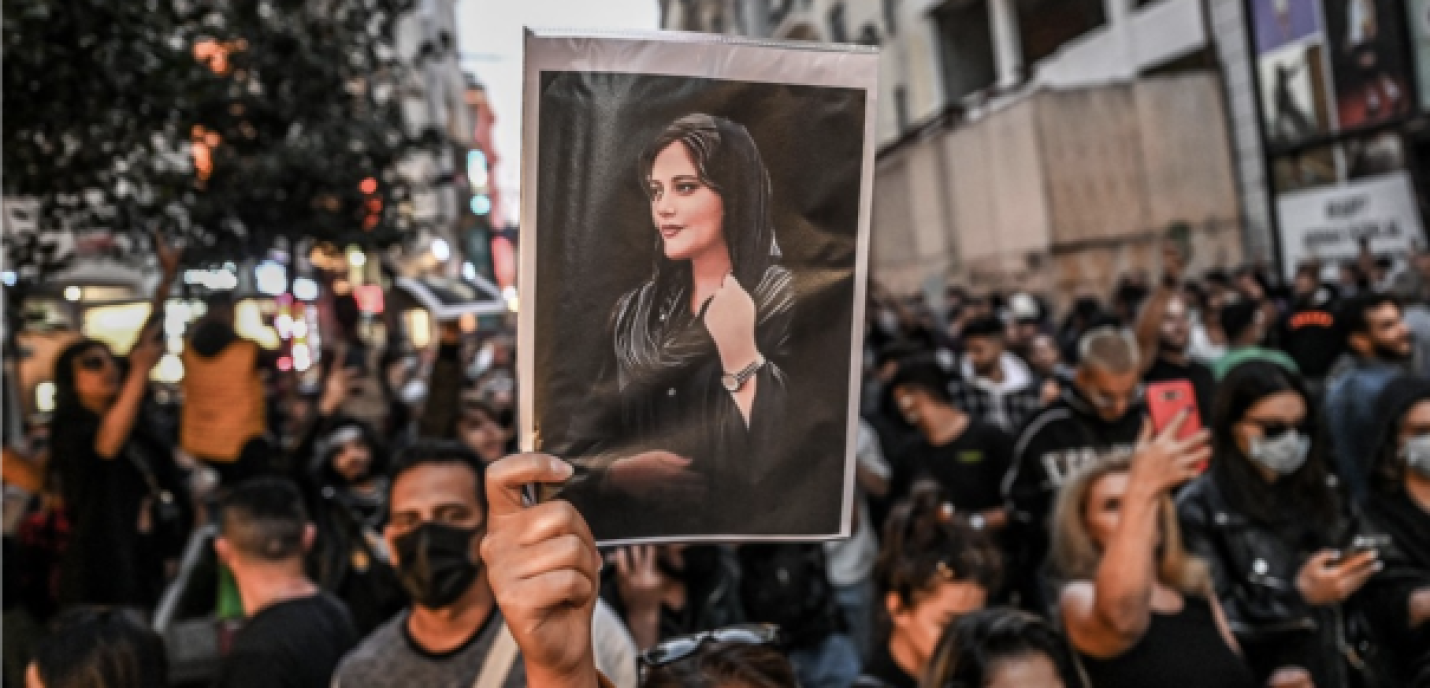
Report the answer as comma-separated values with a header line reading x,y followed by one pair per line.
x,y
1365,40
1327,224
1294,102
1418,25
695,219
1281,22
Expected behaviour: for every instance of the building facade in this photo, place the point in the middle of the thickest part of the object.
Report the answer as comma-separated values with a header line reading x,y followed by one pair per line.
x,y
1330,97
1048,145
436,97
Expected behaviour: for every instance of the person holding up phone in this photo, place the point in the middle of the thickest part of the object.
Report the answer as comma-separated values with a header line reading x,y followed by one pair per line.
x,y
114,468
1164,334
1268,520
1397,600
1137,607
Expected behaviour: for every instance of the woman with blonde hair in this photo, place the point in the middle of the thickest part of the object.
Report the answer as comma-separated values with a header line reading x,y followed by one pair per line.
x,y
1138,609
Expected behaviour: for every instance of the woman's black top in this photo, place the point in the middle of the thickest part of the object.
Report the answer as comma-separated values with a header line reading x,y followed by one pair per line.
x,y
883,672
107,560
1405,650
662,392
1254,564
1181,650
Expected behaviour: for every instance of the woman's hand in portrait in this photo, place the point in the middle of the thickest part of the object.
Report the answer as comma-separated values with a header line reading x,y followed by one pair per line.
x,y
730,319
656,475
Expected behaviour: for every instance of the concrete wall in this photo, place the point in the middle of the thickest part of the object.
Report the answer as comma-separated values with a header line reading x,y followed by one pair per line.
x,y
998,202
1062,192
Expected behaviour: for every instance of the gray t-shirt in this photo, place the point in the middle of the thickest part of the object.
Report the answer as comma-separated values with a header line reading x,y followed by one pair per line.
x,y
390,658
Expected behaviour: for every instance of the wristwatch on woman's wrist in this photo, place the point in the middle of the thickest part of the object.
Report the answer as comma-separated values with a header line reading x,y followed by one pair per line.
x,y
734,382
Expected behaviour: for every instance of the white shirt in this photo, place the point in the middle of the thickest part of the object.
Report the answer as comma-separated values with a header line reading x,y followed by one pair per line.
x,y
851,561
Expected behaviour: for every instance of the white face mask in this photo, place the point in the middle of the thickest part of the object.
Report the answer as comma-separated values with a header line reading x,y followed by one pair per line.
x,y
1417,454
1284,454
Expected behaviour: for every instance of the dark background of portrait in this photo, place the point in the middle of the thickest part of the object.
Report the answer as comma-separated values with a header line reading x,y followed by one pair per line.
x,y
596,241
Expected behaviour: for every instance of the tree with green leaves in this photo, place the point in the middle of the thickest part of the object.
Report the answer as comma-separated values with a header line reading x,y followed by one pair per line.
x,y
231,126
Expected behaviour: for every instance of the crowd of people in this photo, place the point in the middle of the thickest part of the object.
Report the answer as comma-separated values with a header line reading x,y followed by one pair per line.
x,y
1019,518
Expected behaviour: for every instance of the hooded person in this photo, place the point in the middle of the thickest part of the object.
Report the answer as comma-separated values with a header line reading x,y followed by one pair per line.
x,y
349,505
1396,601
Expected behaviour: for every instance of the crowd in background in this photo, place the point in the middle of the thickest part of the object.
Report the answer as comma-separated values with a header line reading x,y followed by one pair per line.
x,y
1019,520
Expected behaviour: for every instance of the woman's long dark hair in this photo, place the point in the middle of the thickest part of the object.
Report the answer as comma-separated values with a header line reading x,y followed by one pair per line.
x,y
1396,401
1304,492
101,648
728,161
67,402
973,646
924,545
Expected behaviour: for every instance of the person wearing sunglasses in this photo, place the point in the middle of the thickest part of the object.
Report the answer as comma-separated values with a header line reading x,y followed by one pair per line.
x,y
115,471
1270,523
743,656
932,569
1100,414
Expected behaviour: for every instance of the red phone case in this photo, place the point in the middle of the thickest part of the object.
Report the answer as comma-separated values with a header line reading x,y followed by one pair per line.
x,y
1165,400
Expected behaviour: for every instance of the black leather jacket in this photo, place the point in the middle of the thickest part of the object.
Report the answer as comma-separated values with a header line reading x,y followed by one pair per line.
x,y
1254,567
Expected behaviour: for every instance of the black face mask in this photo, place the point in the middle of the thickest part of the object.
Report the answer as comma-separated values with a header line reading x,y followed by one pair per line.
x,y
435,563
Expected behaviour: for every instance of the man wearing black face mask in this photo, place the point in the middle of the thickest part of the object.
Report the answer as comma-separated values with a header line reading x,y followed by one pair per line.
x,y
453,634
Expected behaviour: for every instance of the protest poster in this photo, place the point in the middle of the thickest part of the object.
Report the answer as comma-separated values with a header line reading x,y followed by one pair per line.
x,y
695,231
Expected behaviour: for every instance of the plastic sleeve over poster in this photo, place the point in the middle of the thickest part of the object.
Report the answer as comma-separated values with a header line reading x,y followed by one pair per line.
x,y
694,257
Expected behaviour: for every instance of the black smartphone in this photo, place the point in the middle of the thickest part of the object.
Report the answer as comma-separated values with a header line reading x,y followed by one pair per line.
x,y
1361,544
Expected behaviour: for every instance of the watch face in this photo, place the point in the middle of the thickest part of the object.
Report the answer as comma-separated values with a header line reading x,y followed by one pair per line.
x,y
730,382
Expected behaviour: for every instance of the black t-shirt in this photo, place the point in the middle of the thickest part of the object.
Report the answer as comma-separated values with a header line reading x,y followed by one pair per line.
x,y
1311,337
970,469
108,561
883,672
293,644
1202,379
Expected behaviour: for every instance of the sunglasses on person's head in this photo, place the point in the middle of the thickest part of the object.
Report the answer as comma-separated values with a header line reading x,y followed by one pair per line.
x,y
1275,428
94,362
679,648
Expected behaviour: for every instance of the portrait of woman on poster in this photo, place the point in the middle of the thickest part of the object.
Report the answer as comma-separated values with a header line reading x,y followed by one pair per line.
x,y
697,346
